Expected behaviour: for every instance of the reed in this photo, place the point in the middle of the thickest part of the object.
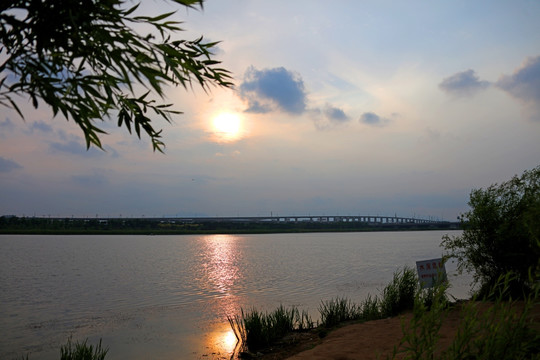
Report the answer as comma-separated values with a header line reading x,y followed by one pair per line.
x,y
82,351
370,308
257,330
338,310
399,294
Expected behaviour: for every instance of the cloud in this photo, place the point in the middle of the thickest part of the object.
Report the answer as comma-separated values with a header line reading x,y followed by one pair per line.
x,y
7,124
328,117
7,165
335,114
273,89
73,147
463,83
524,83
41,126
373,119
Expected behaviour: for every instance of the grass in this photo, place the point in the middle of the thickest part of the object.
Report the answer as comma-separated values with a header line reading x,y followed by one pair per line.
x,y
338,310
396,297
257,330
399,294
80,351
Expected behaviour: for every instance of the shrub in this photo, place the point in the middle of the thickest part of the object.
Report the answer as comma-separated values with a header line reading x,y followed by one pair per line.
x,y
501,234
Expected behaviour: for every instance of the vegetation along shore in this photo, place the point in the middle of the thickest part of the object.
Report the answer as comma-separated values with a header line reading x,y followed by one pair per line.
x,y
170,226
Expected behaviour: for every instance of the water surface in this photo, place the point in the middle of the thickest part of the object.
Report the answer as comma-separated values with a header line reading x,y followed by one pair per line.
x,y
167,297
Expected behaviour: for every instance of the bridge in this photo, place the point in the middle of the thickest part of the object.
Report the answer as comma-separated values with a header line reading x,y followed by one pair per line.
x,y
367,219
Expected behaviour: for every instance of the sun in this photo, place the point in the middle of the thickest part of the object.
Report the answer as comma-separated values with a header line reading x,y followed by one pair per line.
x,y
227,126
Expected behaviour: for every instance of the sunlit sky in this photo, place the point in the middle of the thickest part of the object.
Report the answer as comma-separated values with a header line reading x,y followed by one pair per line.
x,y
339,108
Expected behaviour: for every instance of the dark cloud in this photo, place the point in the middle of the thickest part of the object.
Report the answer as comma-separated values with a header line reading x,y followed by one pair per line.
x,y
335,114
271,89
7,165
373,119
463,83
524,83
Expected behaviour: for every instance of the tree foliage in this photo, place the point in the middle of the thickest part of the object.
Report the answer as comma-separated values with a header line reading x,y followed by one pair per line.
x,y
501,233
88,60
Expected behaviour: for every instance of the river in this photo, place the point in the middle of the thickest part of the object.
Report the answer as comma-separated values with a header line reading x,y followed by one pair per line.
x,y
167,297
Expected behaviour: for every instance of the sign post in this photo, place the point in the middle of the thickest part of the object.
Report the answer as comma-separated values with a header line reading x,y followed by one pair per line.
x,y
431,272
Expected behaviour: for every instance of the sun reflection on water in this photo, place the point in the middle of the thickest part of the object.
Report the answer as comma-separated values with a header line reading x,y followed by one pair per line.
x,y
221,342
221,268
222,275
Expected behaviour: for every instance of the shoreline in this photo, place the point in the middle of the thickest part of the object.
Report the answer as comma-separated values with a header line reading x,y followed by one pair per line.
x,y
374,339
121,227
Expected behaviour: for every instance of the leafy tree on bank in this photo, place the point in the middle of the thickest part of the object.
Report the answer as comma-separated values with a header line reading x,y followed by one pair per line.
x,y
501,234
86,61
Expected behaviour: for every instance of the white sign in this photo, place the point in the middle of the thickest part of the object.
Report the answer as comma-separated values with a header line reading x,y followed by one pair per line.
x,y
430,272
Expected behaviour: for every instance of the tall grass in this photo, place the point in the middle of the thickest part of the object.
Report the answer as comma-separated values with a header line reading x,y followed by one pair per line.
x,y
396,297
82,351
338,310
257,330
399,294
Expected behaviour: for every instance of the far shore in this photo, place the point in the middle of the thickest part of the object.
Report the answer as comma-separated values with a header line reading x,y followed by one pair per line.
x,y
119,226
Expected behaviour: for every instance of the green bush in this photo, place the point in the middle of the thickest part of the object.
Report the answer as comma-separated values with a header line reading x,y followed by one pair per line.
x,y
501,234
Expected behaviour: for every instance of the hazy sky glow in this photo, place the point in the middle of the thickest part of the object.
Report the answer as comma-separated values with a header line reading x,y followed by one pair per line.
x,y
350,107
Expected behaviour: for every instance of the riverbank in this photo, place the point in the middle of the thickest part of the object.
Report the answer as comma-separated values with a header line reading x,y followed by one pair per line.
x,y
374,339
119,226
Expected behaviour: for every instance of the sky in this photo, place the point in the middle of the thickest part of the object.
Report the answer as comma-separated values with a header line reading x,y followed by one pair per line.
x,y
339,108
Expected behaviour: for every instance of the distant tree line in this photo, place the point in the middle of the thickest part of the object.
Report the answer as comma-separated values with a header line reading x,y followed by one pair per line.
x,y
41,225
